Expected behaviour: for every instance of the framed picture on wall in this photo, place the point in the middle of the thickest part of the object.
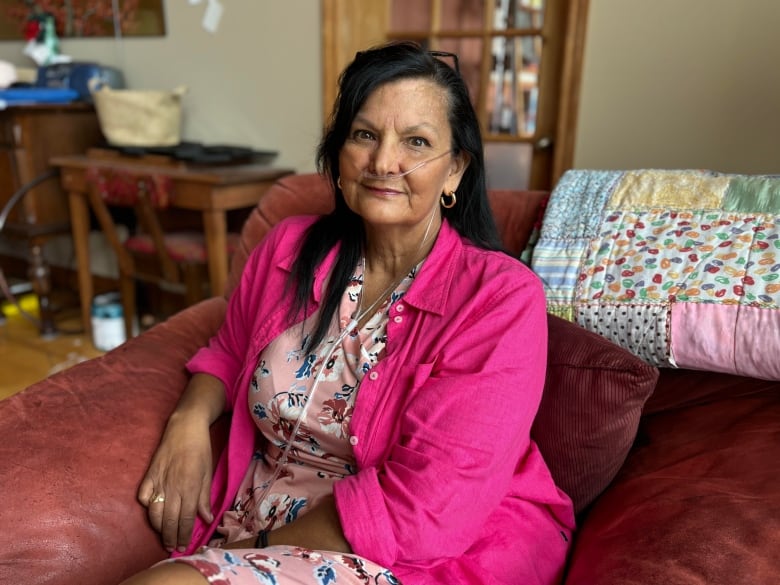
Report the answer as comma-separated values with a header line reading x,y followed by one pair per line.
x,y
20,19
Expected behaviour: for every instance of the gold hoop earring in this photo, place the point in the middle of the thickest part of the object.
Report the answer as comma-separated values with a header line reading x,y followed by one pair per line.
x,y
451,203
338,182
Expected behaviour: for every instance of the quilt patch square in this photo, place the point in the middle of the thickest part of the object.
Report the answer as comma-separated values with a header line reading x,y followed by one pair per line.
x,y
695,255
753,195
670,190
643,328
557,264
578,206
733,339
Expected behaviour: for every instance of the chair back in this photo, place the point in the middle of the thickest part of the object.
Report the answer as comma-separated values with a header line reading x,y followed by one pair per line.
x,y
172,261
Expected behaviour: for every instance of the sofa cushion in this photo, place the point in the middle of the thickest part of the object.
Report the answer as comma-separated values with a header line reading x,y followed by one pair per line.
x,y
681,388
697,501
516,213
182,247
680,267
590,409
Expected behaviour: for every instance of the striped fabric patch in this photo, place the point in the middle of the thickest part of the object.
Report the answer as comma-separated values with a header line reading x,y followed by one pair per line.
x,y
557,263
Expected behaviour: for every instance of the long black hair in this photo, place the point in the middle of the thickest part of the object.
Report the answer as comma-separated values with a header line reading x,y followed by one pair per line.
x,y
471,216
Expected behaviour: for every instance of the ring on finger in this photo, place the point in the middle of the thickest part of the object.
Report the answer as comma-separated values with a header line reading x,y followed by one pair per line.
x,y
157,499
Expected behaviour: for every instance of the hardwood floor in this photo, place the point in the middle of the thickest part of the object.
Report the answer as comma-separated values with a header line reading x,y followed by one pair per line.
x,y
26,357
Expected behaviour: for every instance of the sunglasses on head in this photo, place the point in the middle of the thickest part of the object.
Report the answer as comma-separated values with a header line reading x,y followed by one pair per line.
x,y
443,56
440,55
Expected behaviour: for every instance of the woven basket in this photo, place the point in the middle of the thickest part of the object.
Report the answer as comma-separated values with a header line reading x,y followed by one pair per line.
x,y
139,117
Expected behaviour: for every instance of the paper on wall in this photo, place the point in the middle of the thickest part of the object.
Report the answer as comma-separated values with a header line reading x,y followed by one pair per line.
x,y
213,15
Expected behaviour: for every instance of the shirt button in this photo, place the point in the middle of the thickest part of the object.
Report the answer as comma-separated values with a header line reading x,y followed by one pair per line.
x,y
398,319
373,376
399,308
353,440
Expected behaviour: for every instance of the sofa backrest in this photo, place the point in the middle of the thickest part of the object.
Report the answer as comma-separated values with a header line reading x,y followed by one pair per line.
x,y
515,212
307,194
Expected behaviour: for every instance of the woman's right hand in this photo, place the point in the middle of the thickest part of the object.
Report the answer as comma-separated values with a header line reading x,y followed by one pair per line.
x,y
177,485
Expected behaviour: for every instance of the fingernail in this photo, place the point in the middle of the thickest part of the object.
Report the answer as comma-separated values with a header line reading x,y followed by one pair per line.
x,y
181,549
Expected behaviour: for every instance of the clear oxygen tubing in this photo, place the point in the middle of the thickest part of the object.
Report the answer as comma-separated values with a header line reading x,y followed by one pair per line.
x,y
366,174
281,462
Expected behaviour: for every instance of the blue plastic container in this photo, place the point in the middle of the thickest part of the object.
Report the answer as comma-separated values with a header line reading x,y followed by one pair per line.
x,y
108,323
37,95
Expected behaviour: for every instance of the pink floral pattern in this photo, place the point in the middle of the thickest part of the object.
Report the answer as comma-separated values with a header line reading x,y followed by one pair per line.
x,y
286,566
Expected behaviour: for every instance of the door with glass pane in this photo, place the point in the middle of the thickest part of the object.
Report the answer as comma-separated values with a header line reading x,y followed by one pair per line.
x,y
519,60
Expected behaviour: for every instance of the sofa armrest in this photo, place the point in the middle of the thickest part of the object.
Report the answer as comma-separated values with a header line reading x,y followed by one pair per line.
x,y
74,448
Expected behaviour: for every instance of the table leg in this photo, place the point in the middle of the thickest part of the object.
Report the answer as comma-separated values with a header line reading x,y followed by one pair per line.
x,y
40,275
215,228
79,220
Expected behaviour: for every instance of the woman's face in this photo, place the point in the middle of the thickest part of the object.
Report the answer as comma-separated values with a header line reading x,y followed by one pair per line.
x,y
402,124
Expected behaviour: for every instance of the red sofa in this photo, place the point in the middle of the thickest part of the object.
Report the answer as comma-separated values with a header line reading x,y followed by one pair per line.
x,y
675,473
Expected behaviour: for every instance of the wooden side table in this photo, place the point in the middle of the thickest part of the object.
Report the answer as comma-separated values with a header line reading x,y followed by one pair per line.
x,y
213,191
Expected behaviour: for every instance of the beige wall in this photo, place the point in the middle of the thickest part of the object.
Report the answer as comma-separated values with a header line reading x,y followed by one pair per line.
x,y
681,84
255,82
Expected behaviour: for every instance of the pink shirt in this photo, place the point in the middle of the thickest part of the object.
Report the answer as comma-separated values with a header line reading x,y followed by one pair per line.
x,y
450,488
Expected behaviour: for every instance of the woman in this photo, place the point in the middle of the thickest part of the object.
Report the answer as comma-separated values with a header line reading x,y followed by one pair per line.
x,y
383,365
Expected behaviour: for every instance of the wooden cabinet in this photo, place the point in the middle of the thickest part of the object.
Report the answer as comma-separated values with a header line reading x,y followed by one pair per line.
x,y
29,136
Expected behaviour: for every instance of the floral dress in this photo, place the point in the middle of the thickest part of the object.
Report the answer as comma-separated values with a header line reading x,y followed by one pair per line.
x,y
285,480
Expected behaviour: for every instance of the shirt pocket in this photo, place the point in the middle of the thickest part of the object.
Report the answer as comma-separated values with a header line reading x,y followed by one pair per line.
x,y
380,411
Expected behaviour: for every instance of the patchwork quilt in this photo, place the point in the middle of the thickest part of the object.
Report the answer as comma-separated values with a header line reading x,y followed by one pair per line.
x,y
680,267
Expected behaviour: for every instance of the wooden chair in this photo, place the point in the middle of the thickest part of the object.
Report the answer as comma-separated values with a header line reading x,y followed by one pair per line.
x,y
173,261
